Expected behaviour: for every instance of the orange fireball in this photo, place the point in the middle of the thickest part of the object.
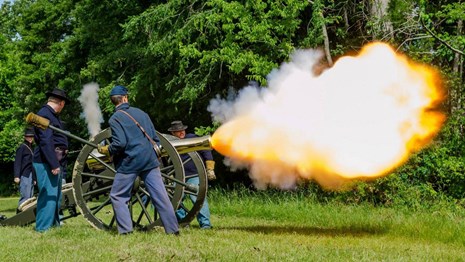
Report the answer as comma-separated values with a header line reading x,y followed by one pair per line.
x,y
359,119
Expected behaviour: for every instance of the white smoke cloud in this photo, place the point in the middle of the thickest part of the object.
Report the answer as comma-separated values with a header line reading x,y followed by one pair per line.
x,y
89,102
251,96
358,119
290,82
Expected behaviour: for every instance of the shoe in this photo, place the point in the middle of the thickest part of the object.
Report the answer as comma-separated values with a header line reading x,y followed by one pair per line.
x,y
126,233
2,217
177,234
206,227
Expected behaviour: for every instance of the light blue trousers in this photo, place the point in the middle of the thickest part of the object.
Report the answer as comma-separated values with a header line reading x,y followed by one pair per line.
x,y
203,217
120,195
49,198
26,188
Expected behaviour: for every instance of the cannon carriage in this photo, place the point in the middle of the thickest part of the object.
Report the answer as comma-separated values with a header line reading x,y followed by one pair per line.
x,y
93,176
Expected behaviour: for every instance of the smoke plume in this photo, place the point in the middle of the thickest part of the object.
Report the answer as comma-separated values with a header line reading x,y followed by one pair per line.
x,y
89,102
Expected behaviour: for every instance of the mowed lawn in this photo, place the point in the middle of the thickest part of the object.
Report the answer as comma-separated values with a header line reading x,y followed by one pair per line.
x,y
257,227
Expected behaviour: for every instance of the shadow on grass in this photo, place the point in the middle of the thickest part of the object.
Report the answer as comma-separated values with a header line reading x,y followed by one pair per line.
x,y
303,230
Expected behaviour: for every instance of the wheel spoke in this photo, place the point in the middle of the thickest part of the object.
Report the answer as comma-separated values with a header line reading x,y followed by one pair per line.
x,y
191,176
97,176
102,162
96,209
184,207
112,221
97,191
144,210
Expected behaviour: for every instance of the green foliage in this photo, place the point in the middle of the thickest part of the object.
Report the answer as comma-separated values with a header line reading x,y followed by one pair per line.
x,y
206,130
10,137
315,37
175,56
211,41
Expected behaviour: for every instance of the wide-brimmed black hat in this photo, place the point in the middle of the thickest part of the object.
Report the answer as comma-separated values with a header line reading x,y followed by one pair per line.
x,y
177,126
29,131
61,94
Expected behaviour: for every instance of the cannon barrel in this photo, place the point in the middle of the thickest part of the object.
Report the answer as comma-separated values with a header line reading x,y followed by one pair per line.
x,y
183,146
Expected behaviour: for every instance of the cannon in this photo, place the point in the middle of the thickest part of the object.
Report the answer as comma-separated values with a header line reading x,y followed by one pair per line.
x,y
93,176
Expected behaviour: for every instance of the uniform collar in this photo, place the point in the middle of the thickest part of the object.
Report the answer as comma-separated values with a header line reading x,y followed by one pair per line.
x,y
122,106
51,109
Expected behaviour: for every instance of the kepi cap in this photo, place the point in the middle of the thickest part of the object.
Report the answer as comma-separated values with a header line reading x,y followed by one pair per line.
x,y
177,126
119,91
29,131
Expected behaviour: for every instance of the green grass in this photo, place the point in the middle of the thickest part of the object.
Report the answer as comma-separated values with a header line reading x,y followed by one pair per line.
x,y
258,227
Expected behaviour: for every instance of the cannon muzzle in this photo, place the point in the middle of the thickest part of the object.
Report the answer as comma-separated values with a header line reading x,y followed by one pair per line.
x,y
188,145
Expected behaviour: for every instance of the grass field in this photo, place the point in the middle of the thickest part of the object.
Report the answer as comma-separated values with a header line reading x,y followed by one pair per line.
x,y
257,227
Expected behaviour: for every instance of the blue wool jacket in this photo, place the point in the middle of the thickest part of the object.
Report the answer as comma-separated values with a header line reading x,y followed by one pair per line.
x,y
131,150
23,160
189,167
47,140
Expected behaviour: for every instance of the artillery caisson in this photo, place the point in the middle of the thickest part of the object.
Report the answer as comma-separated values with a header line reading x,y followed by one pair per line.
x,y
93,176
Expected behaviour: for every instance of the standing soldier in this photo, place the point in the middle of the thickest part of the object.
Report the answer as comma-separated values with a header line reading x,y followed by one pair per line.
x,y
48,156
24,173
133,135
178,130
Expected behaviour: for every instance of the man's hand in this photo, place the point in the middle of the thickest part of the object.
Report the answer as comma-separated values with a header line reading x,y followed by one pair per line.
x,y
210,170
211,175
17,180
56,171
103,150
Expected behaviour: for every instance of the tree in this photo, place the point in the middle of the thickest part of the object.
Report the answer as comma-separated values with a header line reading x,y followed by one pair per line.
x,y
202,48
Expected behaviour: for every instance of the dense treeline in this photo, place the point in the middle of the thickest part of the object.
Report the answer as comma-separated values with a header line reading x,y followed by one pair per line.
x,y
176,55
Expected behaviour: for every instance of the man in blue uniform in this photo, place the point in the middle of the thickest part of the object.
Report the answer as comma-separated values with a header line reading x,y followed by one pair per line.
x,y
134,155
178,130
24,175
50,150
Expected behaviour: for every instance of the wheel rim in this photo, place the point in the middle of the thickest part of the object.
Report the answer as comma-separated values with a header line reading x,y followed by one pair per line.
x,y
191,206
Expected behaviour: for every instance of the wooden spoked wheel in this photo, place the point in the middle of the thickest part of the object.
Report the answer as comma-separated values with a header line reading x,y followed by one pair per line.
x,y
93,176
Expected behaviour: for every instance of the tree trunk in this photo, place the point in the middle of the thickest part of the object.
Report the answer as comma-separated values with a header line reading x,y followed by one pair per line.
x,y
458,58
326,40
457,67
325,37
382,24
